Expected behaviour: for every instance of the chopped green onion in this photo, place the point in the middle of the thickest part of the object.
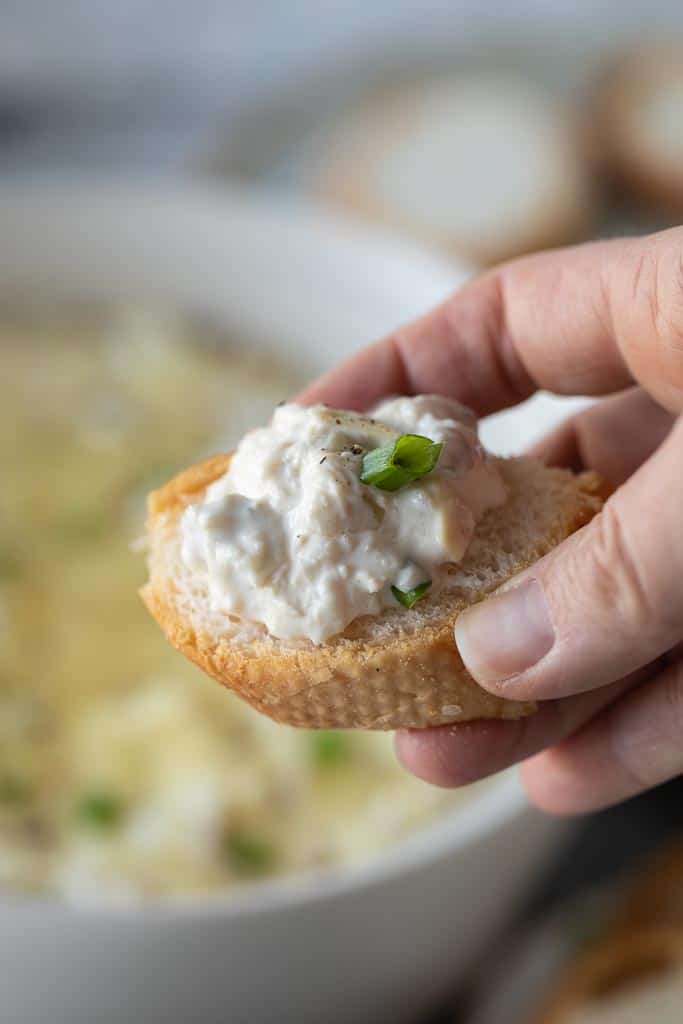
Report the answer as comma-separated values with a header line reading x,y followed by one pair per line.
x,y
410,597
248,854
329,748
99,810
11,567
400,462
13,790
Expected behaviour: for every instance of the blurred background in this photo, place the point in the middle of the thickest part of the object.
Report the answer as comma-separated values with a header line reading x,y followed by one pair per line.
x,y
473,131
176,88
549,124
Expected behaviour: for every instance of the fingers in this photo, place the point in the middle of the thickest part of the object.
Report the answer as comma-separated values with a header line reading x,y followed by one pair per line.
x,y
586,320
604,603
633,745
614,437
454,755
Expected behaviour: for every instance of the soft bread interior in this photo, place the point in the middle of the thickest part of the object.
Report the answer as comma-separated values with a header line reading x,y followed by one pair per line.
x,y
485,164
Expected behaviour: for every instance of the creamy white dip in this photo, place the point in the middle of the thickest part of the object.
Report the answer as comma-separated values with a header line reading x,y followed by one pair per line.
x,y
290,537
187,770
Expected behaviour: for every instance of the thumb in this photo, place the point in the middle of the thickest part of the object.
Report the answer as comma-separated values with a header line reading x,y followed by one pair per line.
x,y
606,602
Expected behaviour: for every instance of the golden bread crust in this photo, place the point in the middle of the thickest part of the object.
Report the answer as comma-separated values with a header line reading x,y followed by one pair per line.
x,y
654,897
415,678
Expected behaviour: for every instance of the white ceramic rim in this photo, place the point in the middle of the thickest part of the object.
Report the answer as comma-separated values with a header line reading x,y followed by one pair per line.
x,y
500,800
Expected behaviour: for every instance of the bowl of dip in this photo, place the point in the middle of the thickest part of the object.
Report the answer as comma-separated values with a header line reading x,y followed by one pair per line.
x,y
165,853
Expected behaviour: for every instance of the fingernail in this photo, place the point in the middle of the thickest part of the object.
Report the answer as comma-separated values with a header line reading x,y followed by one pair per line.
x,y
506,634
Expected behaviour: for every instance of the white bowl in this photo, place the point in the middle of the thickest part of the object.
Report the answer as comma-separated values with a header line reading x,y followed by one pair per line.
x,y
378,943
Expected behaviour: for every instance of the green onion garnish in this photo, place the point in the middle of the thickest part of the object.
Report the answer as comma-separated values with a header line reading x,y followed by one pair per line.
x,y
329,748
410,597
99,810
400,462
249,855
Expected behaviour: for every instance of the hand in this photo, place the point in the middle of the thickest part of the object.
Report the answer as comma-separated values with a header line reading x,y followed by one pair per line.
x,y
594,630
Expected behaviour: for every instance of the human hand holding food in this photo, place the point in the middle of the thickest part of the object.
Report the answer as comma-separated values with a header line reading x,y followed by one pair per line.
x,y
593,630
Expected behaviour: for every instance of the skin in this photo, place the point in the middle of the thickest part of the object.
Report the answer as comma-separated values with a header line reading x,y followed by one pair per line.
x,y
606,661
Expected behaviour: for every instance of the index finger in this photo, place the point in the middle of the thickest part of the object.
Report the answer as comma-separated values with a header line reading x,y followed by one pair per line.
x,y
586,320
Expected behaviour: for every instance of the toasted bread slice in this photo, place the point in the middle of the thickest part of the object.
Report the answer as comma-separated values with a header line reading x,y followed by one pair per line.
x,y
399,669
484,165
636,977
654,897
636,111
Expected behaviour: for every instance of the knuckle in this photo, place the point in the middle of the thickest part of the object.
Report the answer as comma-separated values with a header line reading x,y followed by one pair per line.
x,y
640,267
645,741
509,365
667,303
617,573
647,748
657,276
478,318
633,767
672,702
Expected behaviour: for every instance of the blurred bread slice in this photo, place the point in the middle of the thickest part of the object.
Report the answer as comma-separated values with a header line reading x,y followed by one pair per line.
x,y
480,164
654,896
635,979
638,119
398,669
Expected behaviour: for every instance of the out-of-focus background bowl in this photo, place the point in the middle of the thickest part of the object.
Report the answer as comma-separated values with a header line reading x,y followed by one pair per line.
x,y
283,950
